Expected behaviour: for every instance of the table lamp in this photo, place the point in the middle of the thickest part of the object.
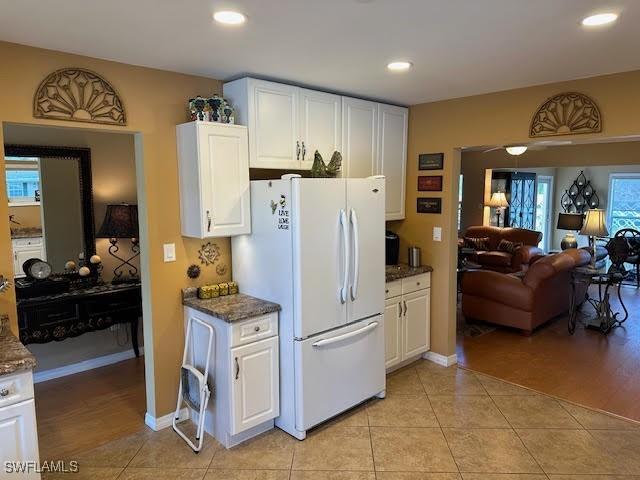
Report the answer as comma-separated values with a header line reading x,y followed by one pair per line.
x,y
121,221
595,225
498,201
572,222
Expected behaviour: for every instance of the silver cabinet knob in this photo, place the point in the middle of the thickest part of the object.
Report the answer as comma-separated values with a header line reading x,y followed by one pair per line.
x,y
257,329
4,392
418,283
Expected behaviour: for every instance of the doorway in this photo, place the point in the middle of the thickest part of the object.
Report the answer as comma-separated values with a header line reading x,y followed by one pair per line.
x,y
544,209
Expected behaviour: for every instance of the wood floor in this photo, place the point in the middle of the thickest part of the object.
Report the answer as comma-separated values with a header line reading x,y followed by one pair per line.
x,y
588,368
81,411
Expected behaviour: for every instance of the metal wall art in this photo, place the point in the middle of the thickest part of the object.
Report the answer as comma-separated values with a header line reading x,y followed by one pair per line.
x,y
78,95
580,196
209,253
566,114
193,271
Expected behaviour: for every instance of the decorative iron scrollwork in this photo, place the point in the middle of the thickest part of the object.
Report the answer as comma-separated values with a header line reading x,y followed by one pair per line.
x,y
78,95
566,114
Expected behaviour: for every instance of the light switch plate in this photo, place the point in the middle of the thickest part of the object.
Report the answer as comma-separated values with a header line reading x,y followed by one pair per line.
x,y
169,252
437,234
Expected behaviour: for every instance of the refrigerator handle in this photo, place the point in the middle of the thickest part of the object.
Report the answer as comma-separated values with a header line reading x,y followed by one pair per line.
x,y
345,243
356,252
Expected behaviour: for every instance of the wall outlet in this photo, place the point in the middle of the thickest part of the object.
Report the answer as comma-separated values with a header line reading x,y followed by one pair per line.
x,y
437,234
169,252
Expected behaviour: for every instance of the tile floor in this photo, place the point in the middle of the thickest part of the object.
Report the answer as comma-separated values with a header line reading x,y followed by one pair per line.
x,y
435,424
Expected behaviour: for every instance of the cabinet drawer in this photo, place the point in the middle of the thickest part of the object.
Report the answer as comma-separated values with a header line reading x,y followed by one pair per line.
x,y
254,329
25,242
51,314
16,388
393,289
112,304
415,283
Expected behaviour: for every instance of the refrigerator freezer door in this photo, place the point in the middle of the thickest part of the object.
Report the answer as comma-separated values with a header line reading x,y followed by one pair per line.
x,y
319,253
365,204
338,370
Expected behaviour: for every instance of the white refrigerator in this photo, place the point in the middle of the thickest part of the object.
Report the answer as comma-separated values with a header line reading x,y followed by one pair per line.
x,y
317,249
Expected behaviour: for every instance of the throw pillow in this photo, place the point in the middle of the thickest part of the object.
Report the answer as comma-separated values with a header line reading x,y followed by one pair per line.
x,y
481,243
509,247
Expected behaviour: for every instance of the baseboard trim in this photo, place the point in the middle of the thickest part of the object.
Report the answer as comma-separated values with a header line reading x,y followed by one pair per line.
x,y
84,365
165,421
445,361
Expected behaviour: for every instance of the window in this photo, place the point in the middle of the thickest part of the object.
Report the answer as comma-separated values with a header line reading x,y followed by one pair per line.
x,y
624,202
22,179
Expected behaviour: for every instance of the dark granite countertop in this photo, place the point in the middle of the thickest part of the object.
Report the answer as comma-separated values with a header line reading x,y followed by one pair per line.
x,y
396,272
13,355
230,308
29,232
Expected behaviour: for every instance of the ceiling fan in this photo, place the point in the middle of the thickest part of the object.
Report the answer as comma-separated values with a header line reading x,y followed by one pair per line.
x,y
516,149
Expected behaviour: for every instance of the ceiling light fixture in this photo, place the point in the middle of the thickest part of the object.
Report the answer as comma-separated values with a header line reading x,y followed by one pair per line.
x,y
229,17
400,66
516,149
599,19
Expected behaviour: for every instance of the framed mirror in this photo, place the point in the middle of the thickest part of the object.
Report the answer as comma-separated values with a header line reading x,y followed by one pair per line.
x,y
50,204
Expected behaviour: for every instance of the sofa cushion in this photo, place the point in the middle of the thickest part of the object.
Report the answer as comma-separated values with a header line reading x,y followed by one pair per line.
x,y
495,258
480,243
508,246
527,237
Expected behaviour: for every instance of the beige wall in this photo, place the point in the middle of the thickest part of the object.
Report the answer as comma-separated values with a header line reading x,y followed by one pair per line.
x,y
493,119
29,216
155,102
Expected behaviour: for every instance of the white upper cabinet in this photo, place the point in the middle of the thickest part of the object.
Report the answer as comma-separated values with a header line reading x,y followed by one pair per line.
x,y
270,110
320,125
214,179
392,156
287,124
359,137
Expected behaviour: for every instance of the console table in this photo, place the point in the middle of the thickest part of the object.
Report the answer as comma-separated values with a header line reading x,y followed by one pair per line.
x,y
57,317
605,319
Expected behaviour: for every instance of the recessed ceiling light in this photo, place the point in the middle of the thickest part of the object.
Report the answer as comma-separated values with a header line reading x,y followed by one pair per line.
x,y
399,66
516,149
599,19
229,17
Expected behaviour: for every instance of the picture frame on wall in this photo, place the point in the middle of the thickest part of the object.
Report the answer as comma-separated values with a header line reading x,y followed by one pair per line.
x,y
430,183
431,161
429,205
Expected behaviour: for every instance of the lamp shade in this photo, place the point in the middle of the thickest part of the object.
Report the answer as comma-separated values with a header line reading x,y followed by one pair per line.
x,y
595,224
570,221
498,200
120,221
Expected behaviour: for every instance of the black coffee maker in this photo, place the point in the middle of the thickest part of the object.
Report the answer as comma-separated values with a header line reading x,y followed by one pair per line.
x,y
392,247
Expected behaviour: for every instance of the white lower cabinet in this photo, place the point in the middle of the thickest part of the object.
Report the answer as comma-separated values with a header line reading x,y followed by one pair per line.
x,y
23,250
18,432
254,384
407,319
244,375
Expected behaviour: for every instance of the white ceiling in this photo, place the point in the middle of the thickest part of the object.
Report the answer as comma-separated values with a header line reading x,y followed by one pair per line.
x,y
458,47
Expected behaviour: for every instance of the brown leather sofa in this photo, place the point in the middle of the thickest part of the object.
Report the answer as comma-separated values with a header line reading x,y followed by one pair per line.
x,y
497,260
523,301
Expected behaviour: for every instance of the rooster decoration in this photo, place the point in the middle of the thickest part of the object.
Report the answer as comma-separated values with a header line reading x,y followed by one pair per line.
x,y
320,170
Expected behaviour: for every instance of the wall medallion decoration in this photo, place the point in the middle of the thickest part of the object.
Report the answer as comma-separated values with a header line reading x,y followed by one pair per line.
x,y
209,253
78,95
566,114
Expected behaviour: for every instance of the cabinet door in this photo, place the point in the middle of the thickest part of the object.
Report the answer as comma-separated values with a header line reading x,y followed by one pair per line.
x,y
18,434
392,331
224,180
359,137
273,123
22,254
392,156
320,125
254,384
416,323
